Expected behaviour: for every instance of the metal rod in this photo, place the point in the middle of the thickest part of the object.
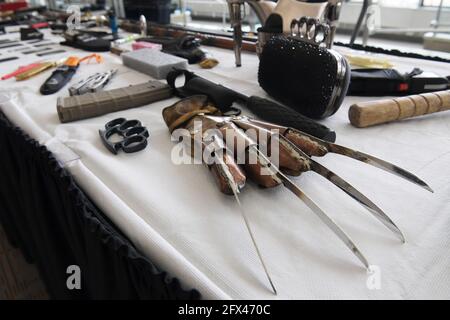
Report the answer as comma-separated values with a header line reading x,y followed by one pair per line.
x,y
359,22
235,190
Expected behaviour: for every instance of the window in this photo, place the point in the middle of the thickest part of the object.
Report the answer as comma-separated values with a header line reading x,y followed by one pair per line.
x,y
409,3
435,3
396,3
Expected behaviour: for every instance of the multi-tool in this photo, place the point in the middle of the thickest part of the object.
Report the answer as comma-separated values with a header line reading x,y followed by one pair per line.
x,y
93,83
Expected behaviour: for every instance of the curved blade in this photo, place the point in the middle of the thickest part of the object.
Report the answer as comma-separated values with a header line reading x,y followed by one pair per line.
x,y
250,232
315,208
358,196
235,189
349,189
366,158
376,162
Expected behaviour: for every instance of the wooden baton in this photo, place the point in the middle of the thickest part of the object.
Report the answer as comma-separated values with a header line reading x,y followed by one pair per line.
x,y
366,114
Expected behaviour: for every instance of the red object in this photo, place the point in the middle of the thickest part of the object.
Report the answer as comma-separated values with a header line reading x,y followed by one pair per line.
x,y
143,45
20,70
13,6
403,87
40,25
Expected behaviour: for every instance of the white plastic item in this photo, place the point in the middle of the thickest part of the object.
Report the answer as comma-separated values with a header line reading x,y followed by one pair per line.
x,y
153,62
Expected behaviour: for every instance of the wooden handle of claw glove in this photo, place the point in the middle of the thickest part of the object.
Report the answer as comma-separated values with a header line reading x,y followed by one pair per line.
x,y
366,114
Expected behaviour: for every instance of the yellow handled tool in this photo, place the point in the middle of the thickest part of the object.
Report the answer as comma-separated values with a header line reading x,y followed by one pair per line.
x,y
36,70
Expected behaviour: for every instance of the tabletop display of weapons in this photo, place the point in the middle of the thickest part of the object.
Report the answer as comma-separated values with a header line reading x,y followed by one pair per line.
x,y
232,165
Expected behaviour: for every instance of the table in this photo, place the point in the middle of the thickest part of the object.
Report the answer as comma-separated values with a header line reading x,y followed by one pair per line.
x,y
174,215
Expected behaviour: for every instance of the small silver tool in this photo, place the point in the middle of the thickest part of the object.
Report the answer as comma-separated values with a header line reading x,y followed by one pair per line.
x,y
93,83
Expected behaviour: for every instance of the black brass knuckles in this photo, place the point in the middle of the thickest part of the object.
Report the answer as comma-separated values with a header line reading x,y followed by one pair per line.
x,y
133,133
310,30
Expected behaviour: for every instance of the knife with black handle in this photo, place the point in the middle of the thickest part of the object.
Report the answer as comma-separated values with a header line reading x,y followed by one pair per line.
x,y
64,73
59,78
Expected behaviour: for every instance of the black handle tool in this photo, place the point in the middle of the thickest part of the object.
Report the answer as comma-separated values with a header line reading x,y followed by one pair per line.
x,y
268,110
62,75
59,78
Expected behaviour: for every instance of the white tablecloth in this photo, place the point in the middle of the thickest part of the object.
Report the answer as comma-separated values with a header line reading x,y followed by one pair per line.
x,y
176,216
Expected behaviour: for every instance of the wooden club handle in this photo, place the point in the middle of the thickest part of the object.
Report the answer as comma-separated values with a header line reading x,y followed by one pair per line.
x,y
370,113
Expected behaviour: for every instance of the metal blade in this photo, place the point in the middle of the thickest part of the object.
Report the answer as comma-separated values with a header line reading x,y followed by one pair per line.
x,y
349,189
247,224
366,158
316,209
358,196
235,189
376,162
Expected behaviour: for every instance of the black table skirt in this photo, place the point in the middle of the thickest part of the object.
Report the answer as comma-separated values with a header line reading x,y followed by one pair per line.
x,y
56,225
